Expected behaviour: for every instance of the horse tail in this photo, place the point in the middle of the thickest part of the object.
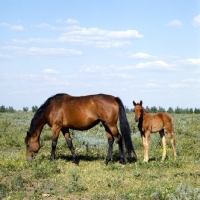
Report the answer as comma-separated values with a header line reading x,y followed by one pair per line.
x,y
125,128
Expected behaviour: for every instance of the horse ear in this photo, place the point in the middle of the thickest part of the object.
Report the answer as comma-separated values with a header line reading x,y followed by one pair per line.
x,y
141,102
134,103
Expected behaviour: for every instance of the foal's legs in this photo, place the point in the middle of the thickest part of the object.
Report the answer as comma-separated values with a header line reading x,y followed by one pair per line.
x,y
55,134
68,139
145,142
164,142
172,139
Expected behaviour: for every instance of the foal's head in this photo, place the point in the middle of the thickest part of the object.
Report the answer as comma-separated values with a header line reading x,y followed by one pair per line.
x,y
137,110
32,146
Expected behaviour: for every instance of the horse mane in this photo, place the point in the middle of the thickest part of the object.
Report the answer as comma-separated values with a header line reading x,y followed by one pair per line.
x,y
41,110
145,110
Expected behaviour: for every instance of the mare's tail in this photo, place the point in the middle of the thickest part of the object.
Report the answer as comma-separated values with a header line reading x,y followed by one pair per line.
x,y
125,129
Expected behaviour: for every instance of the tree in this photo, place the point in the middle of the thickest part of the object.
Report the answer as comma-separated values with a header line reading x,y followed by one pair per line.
x,y
25,109
2,108
34,108
153,109
161,109
191,110
178,110
148,109
196,111
10,109
170,110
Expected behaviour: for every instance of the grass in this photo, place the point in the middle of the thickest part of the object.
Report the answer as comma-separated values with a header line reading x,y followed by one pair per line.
x,y
91,179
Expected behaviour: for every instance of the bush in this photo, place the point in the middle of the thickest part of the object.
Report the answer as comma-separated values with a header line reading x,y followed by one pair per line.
x,y
2,108
170,110
34,108
161,109
25,109
9,109
196,111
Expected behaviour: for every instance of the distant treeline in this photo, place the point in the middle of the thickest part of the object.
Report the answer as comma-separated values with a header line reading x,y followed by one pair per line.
x,y
153,109
11,109
170,110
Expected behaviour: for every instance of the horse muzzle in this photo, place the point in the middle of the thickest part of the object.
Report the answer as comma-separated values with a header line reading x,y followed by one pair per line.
x,y
29,159
136,119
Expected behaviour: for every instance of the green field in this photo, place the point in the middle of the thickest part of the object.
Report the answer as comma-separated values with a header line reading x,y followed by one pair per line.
x,y
41,179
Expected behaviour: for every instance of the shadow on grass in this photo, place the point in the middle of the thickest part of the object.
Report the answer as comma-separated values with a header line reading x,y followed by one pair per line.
x,y
79,158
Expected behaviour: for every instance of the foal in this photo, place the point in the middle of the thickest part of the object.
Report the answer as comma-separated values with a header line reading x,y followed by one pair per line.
x,y
151,123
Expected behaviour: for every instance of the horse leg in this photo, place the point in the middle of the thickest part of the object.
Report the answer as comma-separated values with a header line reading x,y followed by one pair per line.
x,y
55,134
110,147
113,133
145,142
68,139
164,143
121,150
172,139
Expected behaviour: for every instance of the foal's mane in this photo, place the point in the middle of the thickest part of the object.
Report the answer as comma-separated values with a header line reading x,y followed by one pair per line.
x,y
144,110
40,111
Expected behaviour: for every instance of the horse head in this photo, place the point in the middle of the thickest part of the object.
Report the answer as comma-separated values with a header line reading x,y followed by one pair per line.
x,y
137,110
32,146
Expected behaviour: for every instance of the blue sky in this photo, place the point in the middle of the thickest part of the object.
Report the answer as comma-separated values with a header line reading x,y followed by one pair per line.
x,y
135,49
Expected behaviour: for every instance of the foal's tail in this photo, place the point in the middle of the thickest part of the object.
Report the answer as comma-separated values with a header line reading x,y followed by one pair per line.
x,y
125,129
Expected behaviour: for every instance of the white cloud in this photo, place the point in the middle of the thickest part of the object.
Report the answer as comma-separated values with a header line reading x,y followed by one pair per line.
x,y
15,27
191,80
11,48
50,71
71,21
98,37
87,36
152,85
141,55
196,21
5,57
33,40
58,20
191,61
159,64
181,85
175,23
92,69
46,26
42,52
52,52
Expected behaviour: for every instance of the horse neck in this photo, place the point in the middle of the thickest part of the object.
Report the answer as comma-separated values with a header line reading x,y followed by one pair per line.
x,y
36,127
144,113
39,130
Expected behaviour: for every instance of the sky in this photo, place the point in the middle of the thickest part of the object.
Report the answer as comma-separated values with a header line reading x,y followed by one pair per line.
x,y
145,50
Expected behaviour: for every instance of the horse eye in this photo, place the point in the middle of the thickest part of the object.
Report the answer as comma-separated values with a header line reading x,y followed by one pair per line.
x,y
27,145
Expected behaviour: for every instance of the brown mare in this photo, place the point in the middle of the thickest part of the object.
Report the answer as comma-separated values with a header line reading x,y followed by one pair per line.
x,y
63,112
151,123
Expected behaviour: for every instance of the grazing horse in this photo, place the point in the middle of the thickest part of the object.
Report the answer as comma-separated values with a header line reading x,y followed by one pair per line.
x,y
151,123
63,112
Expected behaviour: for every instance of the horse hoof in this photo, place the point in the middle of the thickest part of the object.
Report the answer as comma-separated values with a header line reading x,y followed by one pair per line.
x,y
122,165
75,164
106,163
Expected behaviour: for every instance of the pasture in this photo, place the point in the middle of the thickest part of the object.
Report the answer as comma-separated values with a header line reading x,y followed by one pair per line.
x,y
91,179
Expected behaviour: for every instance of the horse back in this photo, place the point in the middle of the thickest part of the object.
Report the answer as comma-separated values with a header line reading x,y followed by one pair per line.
x,y
156,122
82,112
163,121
